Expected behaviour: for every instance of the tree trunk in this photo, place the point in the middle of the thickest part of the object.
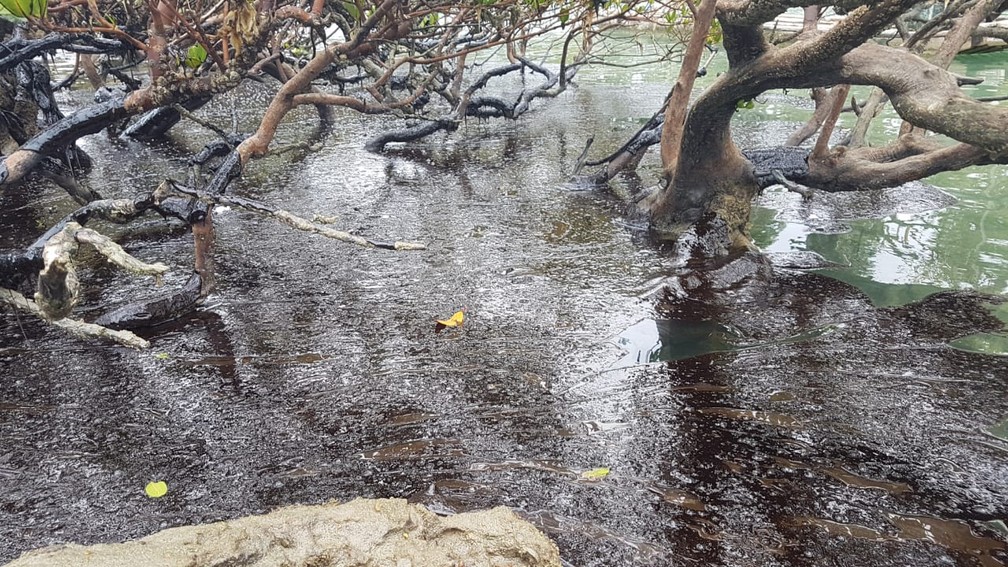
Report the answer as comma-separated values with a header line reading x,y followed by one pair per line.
x,y
712,180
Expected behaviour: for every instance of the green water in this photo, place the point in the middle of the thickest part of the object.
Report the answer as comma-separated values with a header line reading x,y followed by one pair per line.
x,y
906,256
896,259
903,257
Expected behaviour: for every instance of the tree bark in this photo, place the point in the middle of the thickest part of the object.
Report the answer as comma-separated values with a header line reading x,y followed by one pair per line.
x,y
678,99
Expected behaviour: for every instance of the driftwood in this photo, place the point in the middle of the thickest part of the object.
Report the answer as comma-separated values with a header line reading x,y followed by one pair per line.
x,y
16,266
57,289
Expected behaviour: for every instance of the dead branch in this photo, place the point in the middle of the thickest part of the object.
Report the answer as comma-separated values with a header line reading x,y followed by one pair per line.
x,y
58,289
116,255
293,220
76,328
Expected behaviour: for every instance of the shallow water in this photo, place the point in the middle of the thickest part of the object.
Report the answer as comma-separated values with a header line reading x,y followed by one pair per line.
x,y
793,423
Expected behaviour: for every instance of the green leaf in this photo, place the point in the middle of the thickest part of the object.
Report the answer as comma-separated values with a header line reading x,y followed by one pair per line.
x,y
715,34
26,8
595,474
351,9
161,356
195,56
156,489
430,20
563,16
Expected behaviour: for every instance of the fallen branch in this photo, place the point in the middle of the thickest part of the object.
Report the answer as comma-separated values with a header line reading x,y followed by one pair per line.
x,y
76,328
58,288
14,267
293,220
116,255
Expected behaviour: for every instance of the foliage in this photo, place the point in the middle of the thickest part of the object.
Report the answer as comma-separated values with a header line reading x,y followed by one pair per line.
x,y
26,8
195,56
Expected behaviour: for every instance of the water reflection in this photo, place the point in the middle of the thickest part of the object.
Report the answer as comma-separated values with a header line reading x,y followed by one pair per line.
x,y
898,256
673,339
666,339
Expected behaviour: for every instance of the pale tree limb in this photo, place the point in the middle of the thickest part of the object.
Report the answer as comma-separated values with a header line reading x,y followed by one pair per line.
x,y
960,33
871,108
856,170
823,104
76,328
927,96
116,255
58,288
972,14
295,221
307,226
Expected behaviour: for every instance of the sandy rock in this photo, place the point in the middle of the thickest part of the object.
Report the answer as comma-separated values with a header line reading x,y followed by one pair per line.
x,y
361,533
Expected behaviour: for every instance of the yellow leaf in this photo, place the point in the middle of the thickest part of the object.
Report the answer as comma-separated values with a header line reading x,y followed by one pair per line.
x,y
156,489
595,474
455,320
